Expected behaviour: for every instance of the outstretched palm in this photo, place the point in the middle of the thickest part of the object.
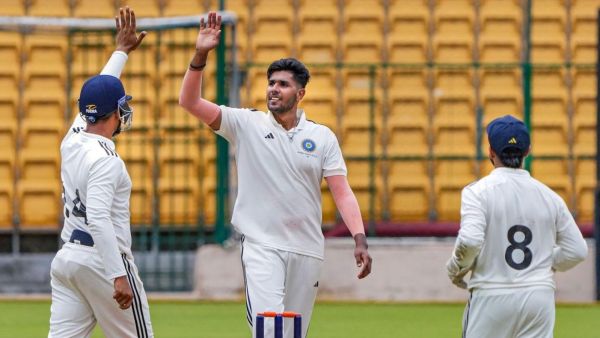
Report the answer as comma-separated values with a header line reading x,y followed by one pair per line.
x,y
209,33
127,39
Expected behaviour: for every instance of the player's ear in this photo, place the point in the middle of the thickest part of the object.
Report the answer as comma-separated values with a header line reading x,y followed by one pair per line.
x,y
300,94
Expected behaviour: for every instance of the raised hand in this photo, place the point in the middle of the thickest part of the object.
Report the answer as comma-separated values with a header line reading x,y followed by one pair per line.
x,y
127,39
209,33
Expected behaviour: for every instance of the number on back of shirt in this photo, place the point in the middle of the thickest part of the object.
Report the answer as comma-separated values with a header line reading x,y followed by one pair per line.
x,y
518,256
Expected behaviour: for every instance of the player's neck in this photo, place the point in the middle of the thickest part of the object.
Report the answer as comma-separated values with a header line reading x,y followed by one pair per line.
x,y
287,120
100,129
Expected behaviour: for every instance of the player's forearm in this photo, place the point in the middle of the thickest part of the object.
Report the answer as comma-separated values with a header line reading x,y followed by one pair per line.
x,y
466,250
115,64
346,202
190,96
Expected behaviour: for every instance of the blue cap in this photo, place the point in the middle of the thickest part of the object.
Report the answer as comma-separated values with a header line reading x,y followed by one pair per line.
x,y
100,96
508,132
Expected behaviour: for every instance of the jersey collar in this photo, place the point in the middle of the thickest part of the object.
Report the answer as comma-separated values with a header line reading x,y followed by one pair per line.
x,y
98,137
510,171
300,115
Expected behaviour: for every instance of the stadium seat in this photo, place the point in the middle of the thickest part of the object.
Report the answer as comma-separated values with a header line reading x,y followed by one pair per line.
x,y
241,10
408,140
554,174
584,97
355,141
408,94
360,181
357,113
271,16
500,34
409,190
141,203
7,181
143,8
501,93
585,185
455,97
178,202
451,176
90,55
45,56
13,7
49,8
454,31
321,110
9,96
96,9
583,31
362,36
44,98
144,93
183,7
408,36
317,40
454,141
40,204
328,206
10,54
548,35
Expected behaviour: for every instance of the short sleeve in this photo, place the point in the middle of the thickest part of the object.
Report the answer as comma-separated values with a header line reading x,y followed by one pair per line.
x,y
232,122
333,162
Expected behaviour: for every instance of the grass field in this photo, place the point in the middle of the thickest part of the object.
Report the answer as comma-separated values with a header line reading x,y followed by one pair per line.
x,y
29,319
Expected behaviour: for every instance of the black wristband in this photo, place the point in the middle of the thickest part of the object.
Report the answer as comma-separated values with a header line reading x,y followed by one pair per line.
x,y
197,68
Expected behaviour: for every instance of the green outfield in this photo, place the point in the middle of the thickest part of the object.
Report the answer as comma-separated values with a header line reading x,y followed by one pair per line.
x,y
29,319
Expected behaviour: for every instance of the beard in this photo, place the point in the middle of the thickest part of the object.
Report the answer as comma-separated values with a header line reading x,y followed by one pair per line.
x,y
284,107
118,130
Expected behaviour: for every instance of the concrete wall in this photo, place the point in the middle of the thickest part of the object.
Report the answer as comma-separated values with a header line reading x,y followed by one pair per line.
x,y
407,269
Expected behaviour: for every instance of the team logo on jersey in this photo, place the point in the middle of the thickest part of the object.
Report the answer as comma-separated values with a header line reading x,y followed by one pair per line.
x,y
309,145
91,109
512,141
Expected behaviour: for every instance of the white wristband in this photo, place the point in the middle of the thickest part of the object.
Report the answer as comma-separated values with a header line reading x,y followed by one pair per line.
x,y
115,64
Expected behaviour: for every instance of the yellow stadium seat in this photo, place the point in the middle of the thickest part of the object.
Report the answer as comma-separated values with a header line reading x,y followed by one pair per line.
x,y
454,141
39,166
585,186
321,110
583,33
40,204
49,8
584,98
141,87
500,35
408,94
356,141
183,7
318,31
363,30
453,38
178,202
13,7
272,16
408,141
8,100
360,182
141,203
143,8
96,9
554,174
89,57
409,31
44,98
409,190
584,142
7,179
455,96
328,206
550,141
548,37
549,98
500,92
46,56
10,54
241,10
451,176
361,113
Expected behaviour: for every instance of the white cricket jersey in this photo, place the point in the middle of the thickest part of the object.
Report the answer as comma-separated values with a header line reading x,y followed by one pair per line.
x,y
516,230
96,194
279,178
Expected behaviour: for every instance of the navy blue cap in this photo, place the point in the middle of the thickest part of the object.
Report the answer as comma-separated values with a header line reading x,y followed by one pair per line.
x,y
508,132
100,96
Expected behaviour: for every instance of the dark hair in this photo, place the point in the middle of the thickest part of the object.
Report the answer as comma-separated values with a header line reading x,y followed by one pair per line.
x,y
512,158
298,69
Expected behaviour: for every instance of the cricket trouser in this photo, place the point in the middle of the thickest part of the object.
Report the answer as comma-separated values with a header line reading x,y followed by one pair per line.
x,y
82,296
278,281
522,312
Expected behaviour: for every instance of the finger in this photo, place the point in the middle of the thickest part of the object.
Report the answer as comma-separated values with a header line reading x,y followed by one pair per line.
x,y
211,20
128,16
122,16
218,22
201,23
140,38
362,273
133,22
117,24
